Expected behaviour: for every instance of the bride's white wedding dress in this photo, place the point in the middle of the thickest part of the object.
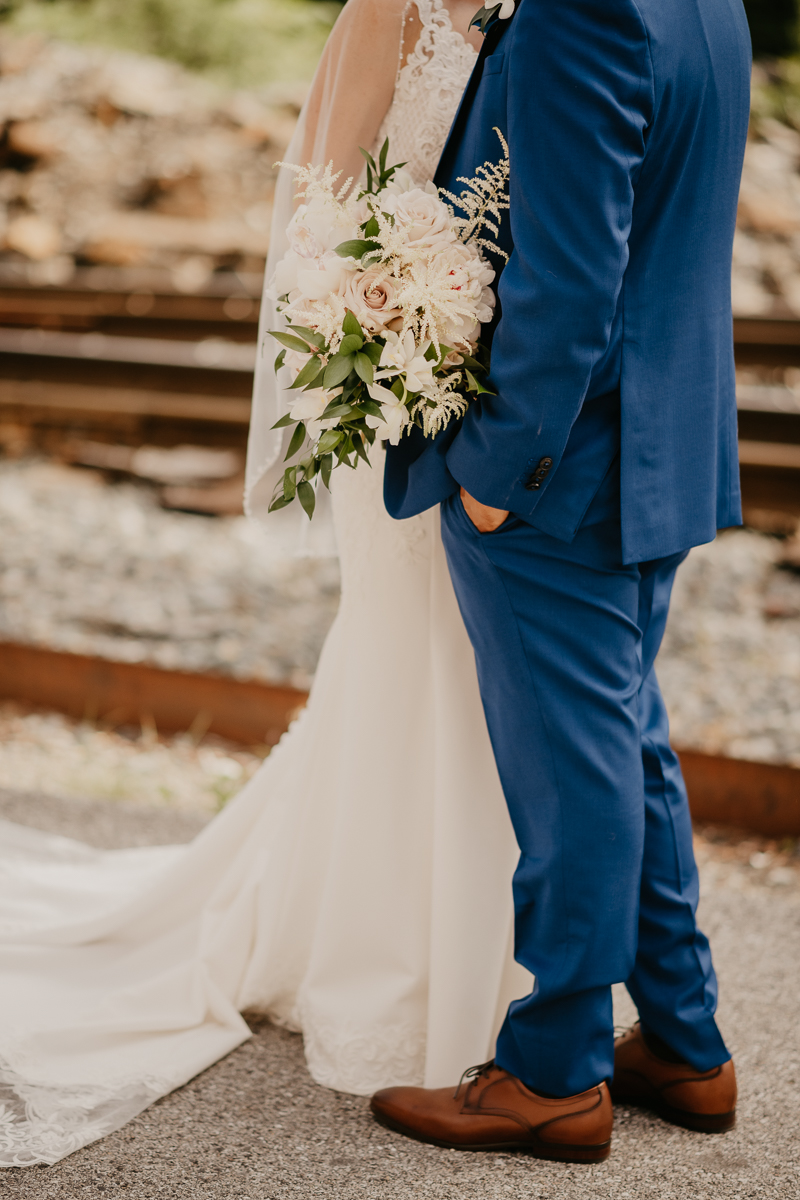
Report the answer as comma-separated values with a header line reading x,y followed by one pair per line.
x,y
357,889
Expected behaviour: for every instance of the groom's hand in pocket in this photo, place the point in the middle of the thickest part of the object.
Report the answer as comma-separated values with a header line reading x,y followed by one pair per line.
x,y
483,517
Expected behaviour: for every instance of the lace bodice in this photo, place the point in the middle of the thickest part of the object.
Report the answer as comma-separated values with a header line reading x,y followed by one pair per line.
x,y
428,91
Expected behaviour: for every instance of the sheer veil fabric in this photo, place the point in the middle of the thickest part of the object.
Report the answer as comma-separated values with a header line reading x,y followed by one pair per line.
x,y
358,889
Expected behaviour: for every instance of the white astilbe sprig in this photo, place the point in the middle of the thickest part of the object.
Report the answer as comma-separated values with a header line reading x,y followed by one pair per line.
x,y
325,316
318,181
447,403
484,199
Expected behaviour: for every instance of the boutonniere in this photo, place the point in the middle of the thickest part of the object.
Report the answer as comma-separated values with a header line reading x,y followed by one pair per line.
x,y
485,15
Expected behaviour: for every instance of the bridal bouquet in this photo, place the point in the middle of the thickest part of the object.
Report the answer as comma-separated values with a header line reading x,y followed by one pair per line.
x,y
383,294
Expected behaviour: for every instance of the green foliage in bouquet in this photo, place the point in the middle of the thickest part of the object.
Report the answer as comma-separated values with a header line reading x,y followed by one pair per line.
x,y
353,416
351,368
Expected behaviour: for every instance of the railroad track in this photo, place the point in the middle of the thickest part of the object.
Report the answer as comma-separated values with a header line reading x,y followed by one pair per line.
x,y
166,369
142,313
761,797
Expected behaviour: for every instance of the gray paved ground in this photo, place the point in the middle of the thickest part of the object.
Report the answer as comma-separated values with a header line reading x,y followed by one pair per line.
x,y
255,1127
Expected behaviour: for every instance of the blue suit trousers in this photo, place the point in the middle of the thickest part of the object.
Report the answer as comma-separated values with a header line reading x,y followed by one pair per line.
x,y
565,637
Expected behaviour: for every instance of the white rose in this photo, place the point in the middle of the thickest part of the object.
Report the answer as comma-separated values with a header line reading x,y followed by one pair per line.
x,y
401,181
319,226
317,278
423,217
285,278
370,295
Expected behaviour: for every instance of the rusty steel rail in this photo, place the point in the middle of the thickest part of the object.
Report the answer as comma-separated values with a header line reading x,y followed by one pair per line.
x,y
767,341
119,693
761,797
141,313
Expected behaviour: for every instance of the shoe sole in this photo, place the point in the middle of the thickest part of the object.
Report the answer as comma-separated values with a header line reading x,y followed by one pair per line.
x,y
551,1152
697,1122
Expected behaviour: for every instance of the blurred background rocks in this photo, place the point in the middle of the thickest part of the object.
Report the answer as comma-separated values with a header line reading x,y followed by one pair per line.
x,y
119,159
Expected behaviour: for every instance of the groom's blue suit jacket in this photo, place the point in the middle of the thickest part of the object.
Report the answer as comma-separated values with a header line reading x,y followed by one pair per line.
x,y
612,342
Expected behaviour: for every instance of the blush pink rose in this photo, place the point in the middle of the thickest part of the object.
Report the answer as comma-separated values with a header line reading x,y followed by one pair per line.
x,y
370,295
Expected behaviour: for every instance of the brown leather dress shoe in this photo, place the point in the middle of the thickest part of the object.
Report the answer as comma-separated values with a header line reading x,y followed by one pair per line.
x,y
701,1100
495,1111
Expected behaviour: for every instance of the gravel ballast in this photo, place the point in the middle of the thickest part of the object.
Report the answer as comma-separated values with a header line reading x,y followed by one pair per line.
x,y
102,569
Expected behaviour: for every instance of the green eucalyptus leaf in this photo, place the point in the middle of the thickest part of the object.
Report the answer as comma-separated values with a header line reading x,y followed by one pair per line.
x,y
372,228
477,387
307,374
289,483
337,411
373,351
279,502
310,335
329,440
289,340
325,468
351,343
279,361
372,407
350,324
307,497
316,382
298,437
357,248
360,448
338,369
364,368
369,159
286,419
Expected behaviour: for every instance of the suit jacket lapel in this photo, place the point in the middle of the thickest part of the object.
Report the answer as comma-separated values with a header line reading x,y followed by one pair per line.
x,y
490,40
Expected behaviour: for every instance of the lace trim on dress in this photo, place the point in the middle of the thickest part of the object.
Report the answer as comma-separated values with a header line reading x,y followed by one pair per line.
x,y
44,1125
361,1060
428,91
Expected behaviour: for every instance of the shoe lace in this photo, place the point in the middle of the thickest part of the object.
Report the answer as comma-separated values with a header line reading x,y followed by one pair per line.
x,y
473,1073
